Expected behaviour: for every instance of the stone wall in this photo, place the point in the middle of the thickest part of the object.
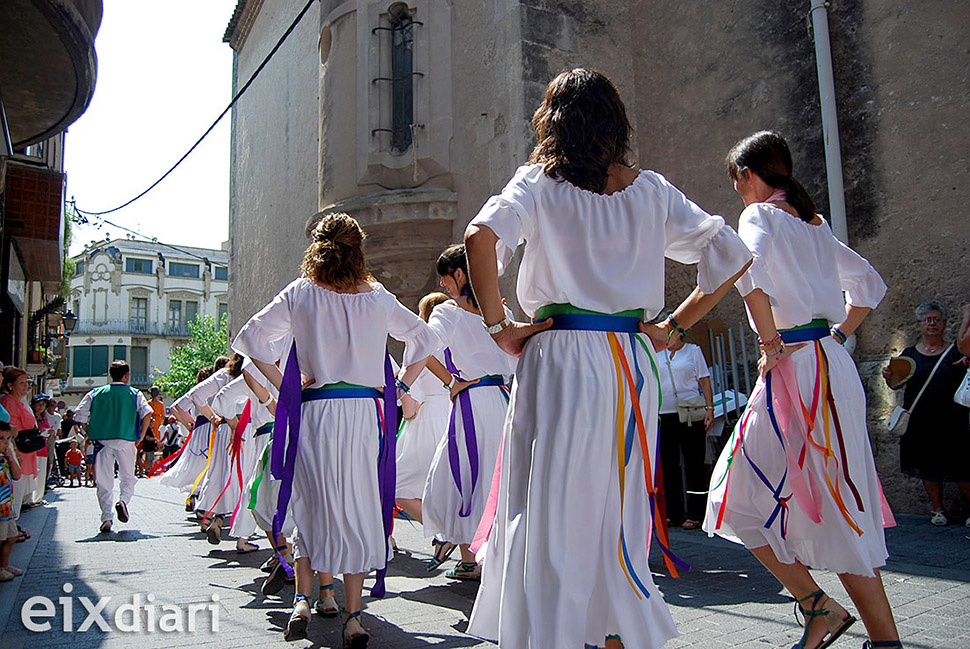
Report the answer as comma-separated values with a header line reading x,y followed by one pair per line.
x,y
273,187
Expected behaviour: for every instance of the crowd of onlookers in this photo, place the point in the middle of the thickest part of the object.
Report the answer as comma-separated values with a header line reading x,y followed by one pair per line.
x,y
64,455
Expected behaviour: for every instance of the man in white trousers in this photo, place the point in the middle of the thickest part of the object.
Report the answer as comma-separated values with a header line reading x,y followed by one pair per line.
x,y
115,417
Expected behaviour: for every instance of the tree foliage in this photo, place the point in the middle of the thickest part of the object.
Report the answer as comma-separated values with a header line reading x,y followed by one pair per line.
x,y
209,341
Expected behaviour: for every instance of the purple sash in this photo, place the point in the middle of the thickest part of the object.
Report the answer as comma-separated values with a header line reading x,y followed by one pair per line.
x,y
286,437
471,441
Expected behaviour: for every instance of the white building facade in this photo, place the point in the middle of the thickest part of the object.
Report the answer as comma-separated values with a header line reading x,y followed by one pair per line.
x,y
134,300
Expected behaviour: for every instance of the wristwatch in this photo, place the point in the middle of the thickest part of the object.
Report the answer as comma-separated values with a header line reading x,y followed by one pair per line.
x,y
498,326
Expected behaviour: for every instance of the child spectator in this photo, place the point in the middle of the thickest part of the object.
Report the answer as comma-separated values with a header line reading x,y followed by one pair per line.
x,y
74,458
9,472
89,480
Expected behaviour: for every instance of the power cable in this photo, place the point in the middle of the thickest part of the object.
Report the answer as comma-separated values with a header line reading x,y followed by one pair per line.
x,y
235,98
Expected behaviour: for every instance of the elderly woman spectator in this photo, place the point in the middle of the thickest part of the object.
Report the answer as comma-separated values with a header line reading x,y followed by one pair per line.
x,y
936,445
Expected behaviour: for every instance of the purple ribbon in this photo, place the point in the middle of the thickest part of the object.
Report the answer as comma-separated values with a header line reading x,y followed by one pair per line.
x,y
285,441
471,441
286,437
387,467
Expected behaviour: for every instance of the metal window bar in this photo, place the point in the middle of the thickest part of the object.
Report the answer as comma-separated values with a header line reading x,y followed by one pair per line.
x,y
401,80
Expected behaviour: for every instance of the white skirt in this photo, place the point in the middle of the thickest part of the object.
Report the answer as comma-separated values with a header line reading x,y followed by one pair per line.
x,y
832,545
191,462
220,472
336,503
552,578
417,443
267,495
252,455
441,501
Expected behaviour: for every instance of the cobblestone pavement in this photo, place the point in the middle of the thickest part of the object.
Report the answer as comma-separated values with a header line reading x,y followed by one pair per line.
x,y
728,600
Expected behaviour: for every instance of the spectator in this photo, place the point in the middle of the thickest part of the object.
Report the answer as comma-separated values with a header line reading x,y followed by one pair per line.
x,y
35,497
9,473
684,376
15,386
73,459
89,448
936,445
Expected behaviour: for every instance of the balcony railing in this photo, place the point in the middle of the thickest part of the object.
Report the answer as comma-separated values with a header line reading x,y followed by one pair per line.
x,y
133,327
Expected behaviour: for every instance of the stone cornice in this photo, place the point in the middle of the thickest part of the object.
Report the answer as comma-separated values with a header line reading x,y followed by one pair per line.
x,y
241,23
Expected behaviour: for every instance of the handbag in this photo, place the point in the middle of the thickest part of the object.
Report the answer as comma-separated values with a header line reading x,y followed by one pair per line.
x,y
29,440
688,410
899,419
962,395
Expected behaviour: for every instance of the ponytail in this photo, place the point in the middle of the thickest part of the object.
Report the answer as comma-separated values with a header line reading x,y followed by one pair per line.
x,y
800,200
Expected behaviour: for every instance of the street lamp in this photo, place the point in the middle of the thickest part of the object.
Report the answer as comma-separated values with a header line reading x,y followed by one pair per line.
x,y
68,320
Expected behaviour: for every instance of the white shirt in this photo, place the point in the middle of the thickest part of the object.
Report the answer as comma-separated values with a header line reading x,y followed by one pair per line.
x,y
338,336
606,252
803,268
231,399
83,411
473,351
55,419
203,393
427,385
685,371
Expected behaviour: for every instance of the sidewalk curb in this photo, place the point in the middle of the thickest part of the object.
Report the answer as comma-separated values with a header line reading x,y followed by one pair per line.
x,y
34,519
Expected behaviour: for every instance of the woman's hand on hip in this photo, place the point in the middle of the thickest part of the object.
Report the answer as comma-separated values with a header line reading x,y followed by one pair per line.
x,y
512,339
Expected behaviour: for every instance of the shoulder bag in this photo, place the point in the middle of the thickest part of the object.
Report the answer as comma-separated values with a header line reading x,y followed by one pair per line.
x,y
899,419
688,410
962,395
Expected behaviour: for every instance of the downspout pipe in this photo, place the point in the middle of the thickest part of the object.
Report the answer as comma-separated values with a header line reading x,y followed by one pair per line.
x,y
830,120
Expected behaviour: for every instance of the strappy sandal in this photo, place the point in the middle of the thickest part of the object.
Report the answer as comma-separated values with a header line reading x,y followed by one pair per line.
x,y
299,618
466,571
214,532
830,612
190,504
442,551
354,638
882,644
326,605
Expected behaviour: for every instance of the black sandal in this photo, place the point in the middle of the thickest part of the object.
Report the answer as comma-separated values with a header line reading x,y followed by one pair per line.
x,y
442,552
22,535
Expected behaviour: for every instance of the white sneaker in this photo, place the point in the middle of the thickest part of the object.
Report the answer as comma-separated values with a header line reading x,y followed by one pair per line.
x,y
968,522
16,572
938,519
4,575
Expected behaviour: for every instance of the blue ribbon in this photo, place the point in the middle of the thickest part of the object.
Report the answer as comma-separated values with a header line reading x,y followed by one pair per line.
x,y
595,322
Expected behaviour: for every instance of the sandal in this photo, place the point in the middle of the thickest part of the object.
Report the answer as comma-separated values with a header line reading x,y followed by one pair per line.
x,y
354,638
16,572
105,527
299,618
214,532
466,571
831,614
245,547
879,644
22,535
442,551
690,524
269,564
326,605
938,519
190,503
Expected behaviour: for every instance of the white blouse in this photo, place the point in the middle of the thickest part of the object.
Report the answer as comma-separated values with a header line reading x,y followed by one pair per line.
x,y
684,370
338,336
203,393
606,252
231,399
427,385
473,351
803,268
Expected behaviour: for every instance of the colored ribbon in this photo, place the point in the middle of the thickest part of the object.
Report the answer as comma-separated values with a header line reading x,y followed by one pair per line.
x,y
235,459
208,455
166,463
484,530
286,433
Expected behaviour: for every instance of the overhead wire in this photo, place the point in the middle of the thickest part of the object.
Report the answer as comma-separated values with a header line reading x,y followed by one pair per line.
x,y
235,98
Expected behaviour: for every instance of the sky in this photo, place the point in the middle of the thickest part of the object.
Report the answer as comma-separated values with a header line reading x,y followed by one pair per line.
x,y
164,75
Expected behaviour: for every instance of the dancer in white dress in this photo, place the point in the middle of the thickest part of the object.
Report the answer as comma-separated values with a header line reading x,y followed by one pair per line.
x,y
419,434
797,483
461,472
217,492
566,562
340,467
193,457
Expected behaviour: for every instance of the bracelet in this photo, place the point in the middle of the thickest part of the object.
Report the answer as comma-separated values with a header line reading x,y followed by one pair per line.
x,y
268,399
401,385
781,350
675,328
708,407
838,335
449,386
770,343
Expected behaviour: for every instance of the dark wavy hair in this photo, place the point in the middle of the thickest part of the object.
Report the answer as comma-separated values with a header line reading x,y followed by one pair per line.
x,y
581,129
204,373
235,365
451,260
766,153
335,256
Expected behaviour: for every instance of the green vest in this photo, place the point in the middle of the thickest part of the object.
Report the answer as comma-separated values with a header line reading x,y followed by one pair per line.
x,y
114,413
